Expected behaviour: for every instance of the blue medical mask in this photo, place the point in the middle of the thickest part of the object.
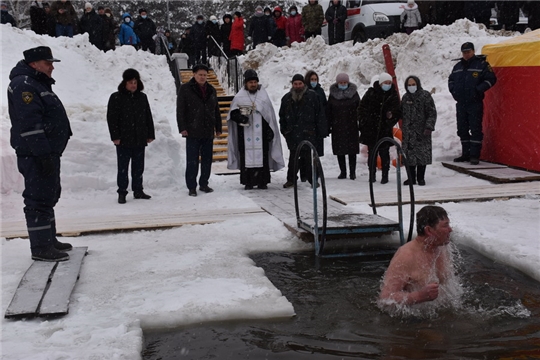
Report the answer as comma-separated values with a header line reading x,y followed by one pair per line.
x,y
144,16
199,22
386,87
293,13
214,21
412,88
313,84
343,87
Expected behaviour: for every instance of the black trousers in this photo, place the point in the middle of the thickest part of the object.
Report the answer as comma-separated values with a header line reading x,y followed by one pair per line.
x,y
194,148
41,193
124,155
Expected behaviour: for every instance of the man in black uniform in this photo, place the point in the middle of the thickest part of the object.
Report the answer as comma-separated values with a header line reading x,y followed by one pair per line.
x,y
39,134
471,77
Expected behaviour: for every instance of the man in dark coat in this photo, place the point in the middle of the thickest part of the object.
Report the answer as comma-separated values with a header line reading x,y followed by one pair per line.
x,y
145,28
379,111
335,15
198,117
39,134
471,77
260,28
65,17
197,35
301,117
92,24
38,17
131,126
6,17
186,46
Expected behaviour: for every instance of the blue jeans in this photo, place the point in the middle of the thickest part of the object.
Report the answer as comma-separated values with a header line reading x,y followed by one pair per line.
x,y
64,30
124,156
195,148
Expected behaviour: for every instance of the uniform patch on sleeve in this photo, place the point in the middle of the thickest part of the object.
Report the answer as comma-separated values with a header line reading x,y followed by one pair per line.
x,y
27,97
475,74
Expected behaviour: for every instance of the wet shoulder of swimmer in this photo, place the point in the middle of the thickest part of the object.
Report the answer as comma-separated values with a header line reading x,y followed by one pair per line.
x,y
421,266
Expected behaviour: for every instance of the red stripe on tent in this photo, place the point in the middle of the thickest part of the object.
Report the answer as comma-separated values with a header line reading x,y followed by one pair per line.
x,y
511,121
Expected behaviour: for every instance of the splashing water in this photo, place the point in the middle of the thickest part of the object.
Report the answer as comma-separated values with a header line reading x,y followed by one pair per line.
x,y
454,296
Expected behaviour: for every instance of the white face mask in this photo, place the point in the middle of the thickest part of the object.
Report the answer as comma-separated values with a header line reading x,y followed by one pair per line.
x,y
412,88
127,20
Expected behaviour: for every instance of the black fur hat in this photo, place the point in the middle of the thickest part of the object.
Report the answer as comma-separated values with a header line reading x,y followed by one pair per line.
x,y
131,74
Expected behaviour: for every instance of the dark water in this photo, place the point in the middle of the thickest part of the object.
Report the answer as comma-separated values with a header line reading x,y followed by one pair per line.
x,y
337,317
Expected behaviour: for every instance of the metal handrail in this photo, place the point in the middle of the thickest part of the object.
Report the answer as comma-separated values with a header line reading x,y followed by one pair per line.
x,y
373,164
220,48
316,173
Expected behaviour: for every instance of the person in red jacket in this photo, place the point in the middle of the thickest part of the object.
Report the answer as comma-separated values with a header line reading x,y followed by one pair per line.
x,y
237,35
295,29
279,38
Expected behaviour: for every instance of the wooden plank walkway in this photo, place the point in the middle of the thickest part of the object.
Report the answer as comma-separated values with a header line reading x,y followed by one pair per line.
x,y
280,203
75,227
496,173
430,196
46,287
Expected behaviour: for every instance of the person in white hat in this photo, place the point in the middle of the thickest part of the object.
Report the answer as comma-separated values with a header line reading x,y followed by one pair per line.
x,y
410,17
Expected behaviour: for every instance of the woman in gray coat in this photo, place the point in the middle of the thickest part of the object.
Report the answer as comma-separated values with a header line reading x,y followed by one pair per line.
x,y
419,117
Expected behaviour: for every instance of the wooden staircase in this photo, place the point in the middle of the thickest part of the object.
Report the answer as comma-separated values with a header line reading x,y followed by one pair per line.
x,y
220,142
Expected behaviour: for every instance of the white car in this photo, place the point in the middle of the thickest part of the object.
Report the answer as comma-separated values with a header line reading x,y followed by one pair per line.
x,y
368,19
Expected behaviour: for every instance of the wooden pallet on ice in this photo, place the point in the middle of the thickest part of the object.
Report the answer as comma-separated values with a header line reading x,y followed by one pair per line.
x,y
46,287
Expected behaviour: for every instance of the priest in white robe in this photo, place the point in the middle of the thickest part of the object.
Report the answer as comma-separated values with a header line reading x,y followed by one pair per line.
x,y
254,142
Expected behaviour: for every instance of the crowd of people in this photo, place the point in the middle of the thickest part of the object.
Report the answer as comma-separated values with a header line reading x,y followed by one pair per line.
x,y
234,34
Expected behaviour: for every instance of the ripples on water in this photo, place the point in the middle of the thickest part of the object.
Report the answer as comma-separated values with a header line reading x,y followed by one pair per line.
x,y
488,311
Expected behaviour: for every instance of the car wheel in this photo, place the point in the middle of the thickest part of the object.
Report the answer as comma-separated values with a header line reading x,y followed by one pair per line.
x,y
359,37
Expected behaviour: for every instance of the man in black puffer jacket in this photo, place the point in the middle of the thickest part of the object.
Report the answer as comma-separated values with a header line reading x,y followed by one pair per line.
x,y
39,134
471,77
198,117
131,126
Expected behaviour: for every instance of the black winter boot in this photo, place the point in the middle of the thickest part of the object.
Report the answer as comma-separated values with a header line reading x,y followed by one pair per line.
x,y
465,152
384,178
352,166
421,174
57,244
342,167
412,179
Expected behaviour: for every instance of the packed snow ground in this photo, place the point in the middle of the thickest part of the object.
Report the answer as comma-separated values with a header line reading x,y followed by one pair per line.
x,y
153,279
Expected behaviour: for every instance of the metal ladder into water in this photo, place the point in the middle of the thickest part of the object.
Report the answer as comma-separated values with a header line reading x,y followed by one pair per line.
x,y
351,224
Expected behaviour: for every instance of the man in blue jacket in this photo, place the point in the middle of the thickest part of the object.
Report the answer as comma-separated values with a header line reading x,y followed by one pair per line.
x,y
471,77
39,134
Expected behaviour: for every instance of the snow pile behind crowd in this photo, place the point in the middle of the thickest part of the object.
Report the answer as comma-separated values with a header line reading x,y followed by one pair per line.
x,y
151,279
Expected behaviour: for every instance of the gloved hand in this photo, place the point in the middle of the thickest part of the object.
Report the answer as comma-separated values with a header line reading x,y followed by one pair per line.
x,y
47,165
336,21
427,132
